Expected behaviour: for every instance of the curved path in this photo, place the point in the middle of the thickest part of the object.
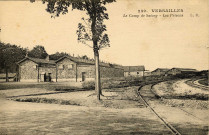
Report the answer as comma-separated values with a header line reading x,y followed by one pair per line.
x,y
176,119
196,84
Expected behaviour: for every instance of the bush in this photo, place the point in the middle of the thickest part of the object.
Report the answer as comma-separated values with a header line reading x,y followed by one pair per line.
x,y
88,85
109,83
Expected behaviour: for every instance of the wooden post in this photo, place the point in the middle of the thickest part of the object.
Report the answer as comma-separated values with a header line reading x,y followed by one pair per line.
x,y
56,72
76,73
7,76
16,79
38,73
19,74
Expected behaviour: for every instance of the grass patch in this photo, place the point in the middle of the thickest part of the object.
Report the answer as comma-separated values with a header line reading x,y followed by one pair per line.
x,y
198,96
48,86
46,100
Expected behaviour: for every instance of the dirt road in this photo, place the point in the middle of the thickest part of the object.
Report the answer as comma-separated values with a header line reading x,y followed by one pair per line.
x,y
23,118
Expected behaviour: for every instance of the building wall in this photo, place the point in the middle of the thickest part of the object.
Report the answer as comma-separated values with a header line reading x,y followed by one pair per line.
x,y
136,73
88,69
48,69
105,72
28,70
64,69
108,72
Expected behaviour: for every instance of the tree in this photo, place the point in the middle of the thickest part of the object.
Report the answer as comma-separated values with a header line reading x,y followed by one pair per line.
x,y
85,57
58,55
92,30
38,52
10,54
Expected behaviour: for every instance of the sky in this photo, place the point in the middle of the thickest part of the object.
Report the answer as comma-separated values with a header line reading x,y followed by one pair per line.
x,y
163,42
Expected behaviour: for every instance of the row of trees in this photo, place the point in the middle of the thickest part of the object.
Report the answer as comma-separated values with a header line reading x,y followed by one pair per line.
x,y
10,54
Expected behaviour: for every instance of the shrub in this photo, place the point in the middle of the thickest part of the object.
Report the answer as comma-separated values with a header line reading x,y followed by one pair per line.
x,y
125,82
88,85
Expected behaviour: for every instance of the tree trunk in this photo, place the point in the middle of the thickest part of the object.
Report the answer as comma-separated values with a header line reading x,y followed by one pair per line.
x,y
97,74
7,77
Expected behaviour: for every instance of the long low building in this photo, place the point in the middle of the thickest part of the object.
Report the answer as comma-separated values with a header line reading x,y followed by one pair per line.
x,y
66,68
176,71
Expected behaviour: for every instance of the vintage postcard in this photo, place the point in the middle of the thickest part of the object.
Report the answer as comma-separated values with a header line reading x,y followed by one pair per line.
x,y
112,67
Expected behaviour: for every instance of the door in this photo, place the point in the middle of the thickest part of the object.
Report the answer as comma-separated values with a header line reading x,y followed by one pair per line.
x,y
83,76
43,77
50,77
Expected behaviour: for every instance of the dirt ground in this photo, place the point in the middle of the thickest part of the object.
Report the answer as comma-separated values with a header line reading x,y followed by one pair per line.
x,y
119,112
23,118
194,113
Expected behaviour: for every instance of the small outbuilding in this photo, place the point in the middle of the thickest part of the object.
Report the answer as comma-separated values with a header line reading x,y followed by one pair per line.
x,y
134,71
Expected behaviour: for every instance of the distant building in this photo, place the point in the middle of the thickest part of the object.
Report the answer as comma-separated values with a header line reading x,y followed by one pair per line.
x,y
64,69
159,71
175,71
134,70
147,73
203,73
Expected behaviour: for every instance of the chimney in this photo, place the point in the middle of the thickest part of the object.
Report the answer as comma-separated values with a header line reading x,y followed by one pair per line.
x,y
47,58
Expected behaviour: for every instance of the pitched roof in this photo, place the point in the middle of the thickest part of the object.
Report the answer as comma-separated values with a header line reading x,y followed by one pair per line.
x,y
133,68
161,69
75,59
38,61
88,61
185,69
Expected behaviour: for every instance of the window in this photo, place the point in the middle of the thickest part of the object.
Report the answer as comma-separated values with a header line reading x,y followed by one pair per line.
x,y
61,67
70,66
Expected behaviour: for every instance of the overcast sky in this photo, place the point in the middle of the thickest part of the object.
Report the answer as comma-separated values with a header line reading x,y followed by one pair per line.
x,y
153,42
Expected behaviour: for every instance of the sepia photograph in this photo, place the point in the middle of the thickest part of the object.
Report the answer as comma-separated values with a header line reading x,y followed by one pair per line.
x,y
104,67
